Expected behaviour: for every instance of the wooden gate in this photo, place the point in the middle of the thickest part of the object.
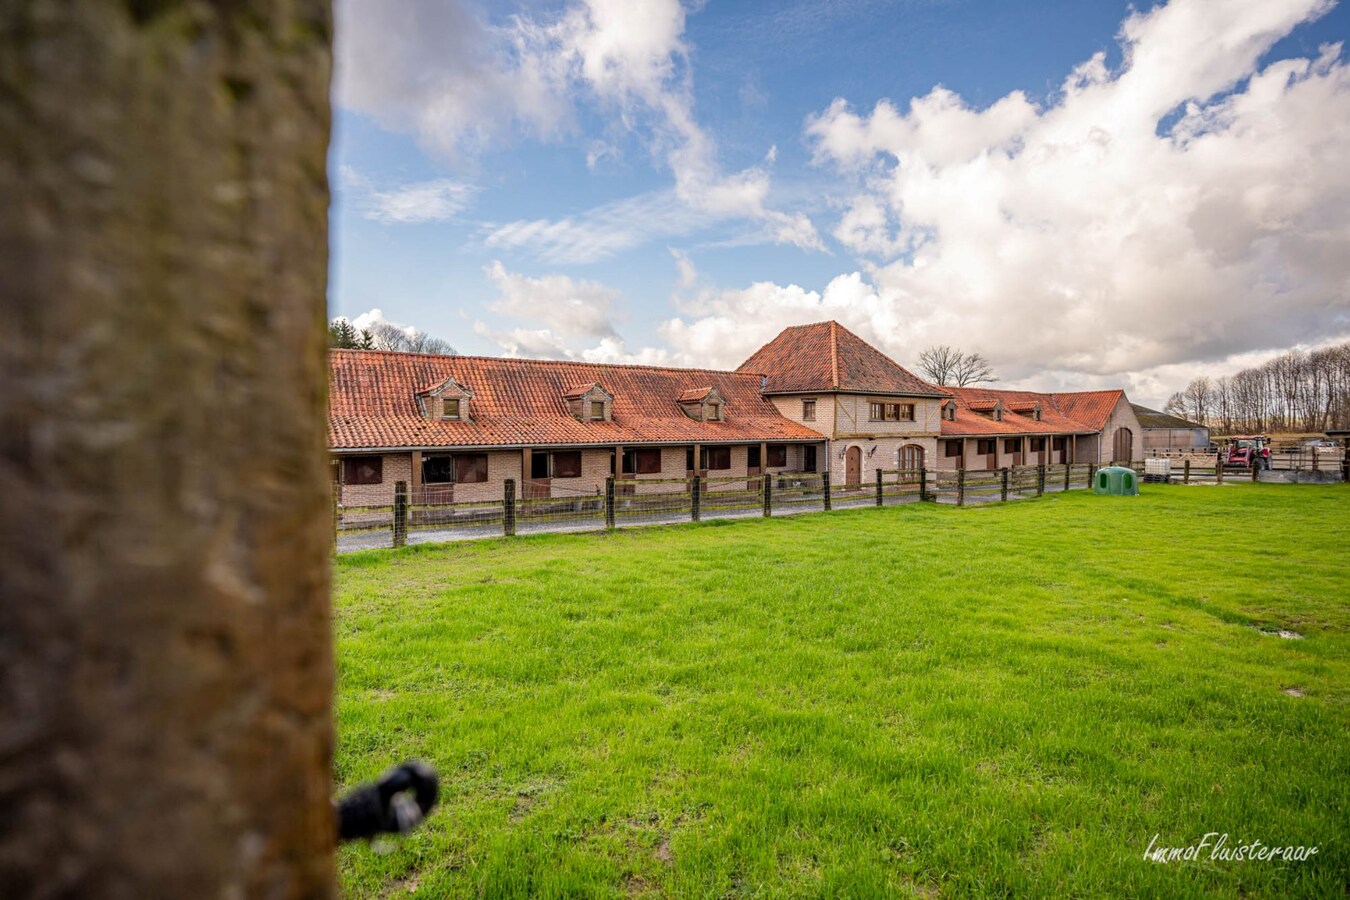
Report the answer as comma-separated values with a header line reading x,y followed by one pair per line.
x,y
1124,445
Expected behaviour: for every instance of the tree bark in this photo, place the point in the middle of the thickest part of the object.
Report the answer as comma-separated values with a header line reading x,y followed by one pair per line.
x,y
165,648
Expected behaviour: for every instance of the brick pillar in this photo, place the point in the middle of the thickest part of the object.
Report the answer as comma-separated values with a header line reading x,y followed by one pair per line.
x,y
165,647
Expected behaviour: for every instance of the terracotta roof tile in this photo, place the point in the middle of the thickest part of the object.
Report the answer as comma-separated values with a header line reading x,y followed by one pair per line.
x,y
1092,408
970,402
520,402
825,357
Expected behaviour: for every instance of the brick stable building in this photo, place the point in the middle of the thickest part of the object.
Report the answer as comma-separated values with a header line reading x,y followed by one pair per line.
x,y
816,398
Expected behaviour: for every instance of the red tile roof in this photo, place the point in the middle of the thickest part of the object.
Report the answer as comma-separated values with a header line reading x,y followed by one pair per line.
x,y
520,402
1092,408
693,394
1062,413
827,357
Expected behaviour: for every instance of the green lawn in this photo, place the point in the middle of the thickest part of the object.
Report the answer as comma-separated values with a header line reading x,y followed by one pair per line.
x,y
920,700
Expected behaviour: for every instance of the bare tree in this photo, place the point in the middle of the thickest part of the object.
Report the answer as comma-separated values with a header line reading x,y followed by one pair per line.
x,y
387,336
948,366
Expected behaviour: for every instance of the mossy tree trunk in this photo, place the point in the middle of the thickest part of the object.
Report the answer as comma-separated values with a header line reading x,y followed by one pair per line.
x,y
165,649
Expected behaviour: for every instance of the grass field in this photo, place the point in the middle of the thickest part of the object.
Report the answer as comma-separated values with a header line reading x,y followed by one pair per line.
x,y
920,700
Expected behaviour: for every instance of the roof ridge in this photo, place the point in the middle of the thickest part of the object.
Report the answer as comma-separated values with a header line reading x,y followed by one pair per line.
x,y
550,362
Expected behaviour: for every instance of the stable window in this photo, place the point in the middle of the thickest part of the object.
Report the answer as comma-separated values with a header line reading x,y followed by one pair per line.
x,y
809,458
641,462
597,409
363,470
1037,445
566,464
777,456
1012,445
985,447
461,468
952,448
808,410
717,457
1057,443
752,456
689,459
539,465
450,408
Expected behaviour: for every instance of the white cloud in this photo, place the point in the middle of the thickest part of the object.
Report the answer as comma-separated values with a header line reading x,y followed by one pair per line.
x,y
569,308
1096,233
603,231
438,200
460,84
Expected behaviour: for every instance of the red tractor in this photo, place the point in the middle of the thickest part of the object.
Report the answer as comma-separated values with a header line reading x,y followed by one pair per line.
x,y
1247,450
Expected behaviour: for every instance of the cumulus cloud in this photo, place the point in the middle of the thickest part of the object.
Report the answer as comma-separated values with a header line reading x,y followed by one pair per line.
x,y
576,315
444,73
1186,207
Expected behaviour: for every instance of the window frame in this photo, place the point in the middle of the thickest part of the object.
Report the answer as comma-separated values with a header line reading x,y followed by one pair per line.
x,y
600,405
882,411
1037,445
714,412
809,410
707,458
458,415
981,443
1012,445
553,463
350,465
775,456
948,446
637,461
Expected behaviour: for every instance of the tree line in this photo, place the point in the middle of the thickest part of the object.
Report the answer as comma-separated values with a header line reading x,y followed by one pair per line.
x,y
343,335
1299,391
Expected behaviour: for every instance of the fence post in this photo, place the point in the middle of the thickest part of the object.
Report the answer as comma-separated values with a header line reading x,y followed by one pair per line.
x,y
335,501
768,495
1255,466
1040,479
1186,472
879,488
1003,492
825,483
1218,468
1314,459
960,487
1066,478
1092,474
694,510
400,513
509,508
609,501
923,483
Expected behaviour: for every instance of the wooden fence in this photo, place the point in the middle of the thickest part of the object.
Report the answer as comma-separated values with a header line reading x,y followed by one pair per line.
x,y
425,517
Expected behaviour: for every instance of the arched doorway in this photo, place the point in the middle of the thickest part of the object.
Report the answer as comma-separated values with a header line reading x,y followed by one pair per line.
x,y
910,457
853,467
1124,445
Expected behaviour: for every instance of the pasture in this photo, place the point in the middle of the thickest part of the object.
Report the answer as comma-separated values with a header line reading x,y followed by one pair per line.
x,y
919,700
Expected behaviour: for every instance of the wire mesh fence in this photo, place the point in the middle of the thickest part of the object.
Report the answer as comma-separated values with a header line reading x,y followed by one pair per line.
x,y
431,515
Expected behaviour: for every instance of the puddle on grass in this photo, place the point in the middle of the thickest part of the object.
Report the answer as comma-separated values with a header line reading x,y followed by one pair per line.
x,y
1281,632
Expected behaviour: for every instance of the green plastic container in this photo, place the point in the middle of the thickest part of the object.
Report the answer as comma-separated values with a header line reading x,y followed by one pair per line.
x,y
1117,481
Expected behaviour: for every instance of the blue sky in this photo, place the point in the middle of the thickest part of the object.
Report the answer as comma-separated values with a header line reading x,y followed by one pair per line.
x,y
1090,193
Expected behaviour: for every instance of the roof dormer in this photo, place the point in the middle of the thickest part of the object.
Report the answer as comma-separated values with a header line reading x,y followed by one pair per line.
x,y
448,401
990,409
704,404
949,410
590,402
1029,408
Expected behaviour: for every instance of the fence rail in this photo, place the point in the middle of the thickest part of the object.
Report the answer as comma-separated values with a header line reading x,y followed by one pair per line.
x,y
428,516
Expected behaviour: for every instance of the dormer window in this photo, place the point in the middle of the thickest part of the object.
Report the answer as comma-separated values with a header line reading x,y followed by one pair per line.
x,y
448,401
703,404
949,411
590,402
